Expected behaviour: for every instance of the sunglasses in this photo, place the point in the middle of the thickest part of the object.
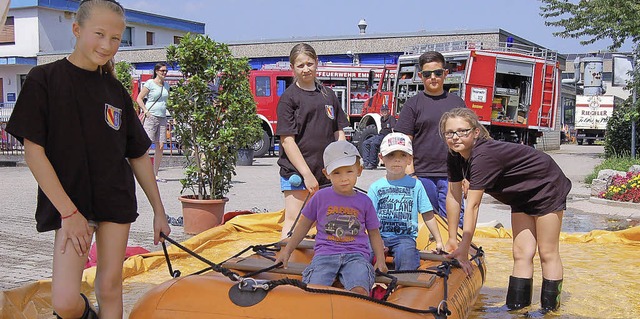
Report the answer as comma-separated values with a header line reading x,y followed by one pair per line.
x,y
112,1
460,133
163,71
427,74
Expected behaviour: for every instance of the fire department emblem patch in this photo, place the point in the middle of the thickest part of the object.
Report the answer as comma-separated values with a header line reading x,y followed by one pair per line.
x,y
330,111
113,116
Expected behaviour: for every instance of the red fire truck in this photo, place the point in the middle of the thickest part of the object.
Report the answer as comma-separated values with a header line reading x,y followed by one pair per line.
x,y
513,88
353,86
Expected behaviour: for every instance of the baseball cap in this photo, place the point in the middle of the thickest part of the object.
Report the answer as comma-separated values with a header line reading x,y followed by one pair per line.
x,y
384,107
338,154
396,142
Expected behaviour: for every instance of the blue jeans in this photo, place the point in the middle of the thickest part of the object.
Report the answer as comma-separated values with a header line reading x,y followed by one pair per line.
x,y
353,270
370,150
404,252
436,188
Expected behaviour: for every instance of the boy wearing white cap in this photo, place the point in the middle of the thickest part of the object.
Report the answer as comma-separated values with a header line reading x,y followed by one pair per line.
x,y
342,215
398,199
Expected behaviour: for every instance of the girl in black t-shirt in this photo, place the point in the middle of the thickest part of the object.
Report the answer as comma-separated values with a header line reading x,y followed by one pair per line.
x,y
83,142
517,175
310,117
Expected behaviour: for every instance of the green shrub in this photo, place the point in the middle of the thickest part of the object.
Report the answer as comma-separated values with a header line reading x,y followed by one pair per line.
x,y
617,142
123,74
618,163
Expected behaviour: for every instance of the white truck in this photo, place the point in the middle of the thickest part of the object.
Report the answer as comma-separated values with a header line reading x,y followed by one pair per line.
x,y
592,114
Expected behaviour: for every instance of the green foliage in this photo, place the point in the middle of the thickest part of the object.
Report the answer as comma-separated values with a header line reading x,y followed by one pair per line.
x,y
618,163
618,20
211,128
617,141
123,74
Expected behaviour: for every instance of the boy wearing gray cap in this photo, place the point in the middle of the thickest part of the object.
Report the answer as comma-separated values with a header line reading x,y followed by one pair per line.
x,y
342,215
399,199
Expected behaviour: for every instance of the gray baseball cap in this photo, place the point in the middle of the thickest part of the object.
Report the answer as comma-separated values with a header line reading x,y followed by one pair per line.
x,y
338,154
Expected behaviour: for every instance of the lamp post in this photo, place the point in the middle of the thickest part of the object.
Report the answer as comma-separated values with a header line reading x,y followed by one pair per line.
x,y
633,101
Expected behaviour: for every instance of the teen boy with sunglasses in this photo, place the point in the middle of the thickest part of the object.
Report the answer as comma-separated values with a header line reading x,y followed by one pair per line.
x,y
419,119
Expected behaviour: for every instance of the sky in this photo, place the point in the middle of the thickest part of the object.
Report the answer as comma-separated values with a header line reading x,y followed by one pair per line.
x,y
248,20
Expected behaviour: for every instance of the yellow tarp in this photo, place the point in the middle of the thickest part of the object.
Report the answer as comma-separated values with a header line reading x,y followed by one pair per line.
x,y
601,270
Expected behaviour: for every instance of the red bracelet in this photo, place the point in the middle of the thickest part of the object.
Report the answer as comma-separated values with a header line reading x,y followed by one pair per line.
x,y
74,212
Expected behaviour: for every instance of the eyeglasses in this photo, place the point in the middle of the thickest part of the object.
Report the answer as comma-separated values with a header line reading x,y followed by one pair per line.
x,y
460,133
427,74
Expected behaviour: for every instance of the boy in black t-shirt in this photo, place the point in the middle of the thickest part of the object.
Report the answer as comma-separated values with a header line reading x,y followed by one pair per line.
x,y
419,120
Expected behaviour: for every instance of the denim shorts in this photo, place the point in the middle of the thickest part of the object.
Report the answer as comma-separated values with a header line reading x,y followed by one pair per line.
x,y
285,185
353,270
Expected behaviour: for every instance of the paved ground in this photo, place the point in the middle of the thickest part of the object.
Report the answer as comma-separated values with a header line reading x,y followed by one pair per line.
x,y
25,255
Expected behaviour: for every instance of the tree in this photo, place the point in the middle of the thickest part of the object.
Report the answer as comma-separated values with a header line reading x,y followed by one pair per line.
x,y
123,74
618,20
214,111
593,20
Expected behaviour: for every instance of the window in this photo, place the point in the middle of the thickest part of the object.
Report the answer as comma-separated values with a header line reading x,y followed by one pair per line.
x,y
282,84
263,86
176,39
21,78
7,34
127,39
150,38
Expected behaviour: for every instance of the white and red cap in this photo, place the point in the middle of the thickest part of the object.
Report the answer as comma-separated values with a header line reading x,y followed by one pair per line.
x,y
396,142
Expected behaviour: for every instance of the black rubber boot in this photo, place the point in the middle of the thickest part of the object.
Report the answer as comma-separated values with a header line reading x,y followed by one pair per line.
x,y
550,295
88,313
519,293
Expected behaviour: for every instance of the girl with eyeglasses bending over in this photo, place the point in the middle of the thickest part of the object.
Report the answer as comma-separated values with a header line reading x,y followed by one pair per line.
x,y
83,144
517,175
156,90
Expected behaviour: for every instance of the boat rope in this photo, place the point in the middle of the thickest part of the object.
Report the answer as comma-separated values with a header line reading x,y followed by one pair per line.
x,y
226,272
246,280
299,284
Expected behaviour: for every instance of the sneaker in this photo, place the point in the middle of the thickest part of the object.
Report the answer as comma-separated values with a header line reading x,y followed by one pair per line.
x,y
174,221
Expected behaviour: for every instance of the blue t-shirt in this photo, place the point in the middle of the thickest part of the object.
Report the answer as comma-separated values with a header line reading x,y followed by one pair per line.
x,y
341,222
398,204
159,94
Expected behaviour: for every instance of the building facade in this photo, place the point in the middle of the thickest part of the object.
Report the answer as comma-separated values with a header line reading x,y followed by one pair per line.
x,y
42,27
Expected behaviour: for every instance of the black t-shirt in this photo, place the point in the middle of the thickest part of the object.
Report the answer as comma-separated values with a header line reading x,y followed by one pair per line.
x,y
87,125
420,117
528,180
312,117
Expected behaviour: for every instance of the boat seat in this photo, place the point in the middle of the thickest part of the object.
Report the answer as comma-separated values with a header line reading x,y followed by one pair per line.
x,y
422,280
308,244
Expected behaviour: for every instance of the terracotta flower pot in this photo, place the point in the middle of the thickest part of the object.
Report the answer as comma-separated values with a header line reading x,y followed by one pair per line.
x,y
201,214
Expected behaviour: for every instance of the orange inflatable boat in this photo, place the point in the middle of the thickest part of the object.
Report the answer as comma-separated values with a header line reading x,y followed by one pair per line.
x,y
251,287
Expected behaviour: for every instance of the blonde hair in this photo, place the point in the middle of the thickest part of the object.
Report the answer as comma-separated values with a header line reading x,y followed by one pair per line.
x,y
84,12
467,115
306,49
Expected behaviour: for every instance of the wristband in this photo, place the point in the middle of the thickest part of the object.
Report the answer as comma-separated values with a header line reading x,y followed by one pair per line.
x,y
74,212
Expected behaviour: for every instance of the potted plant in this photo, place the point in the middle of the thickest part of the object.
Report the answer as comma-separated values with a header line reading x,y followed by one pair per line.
x,y
215,115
